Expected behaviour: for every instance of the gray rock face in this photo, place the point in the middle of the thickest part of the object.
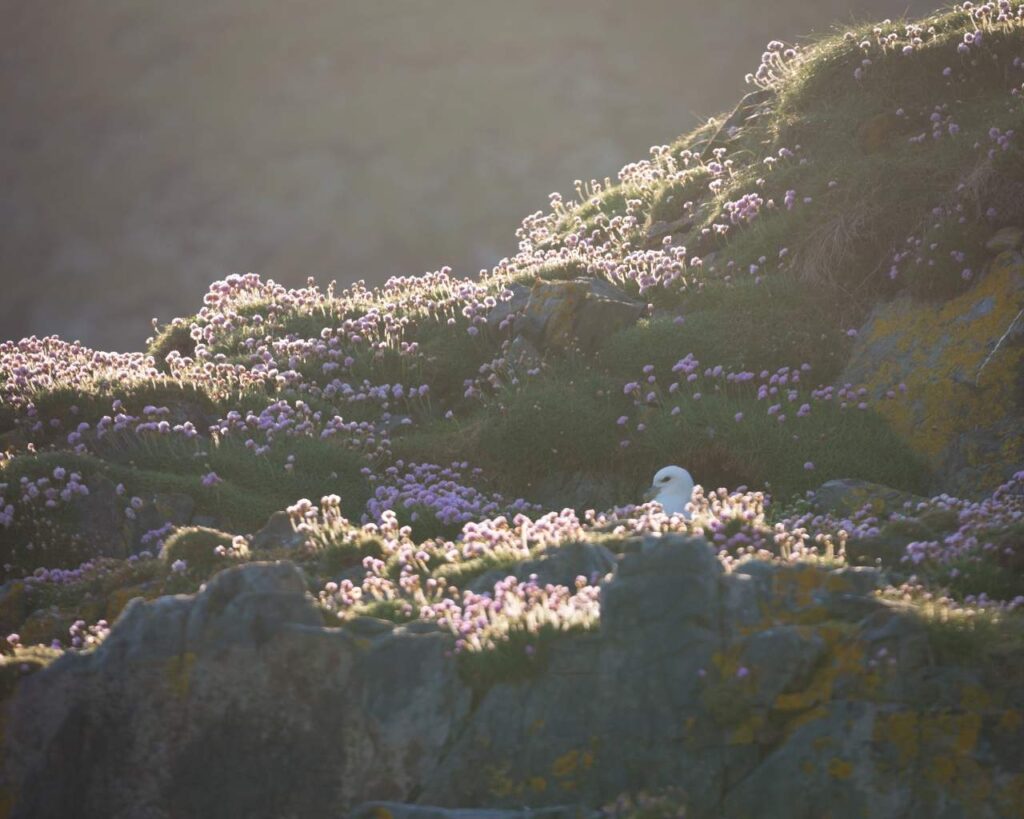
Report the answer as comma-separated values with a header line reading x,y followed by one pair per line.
x,y
277,533
396,810
560,566
959,363
234,703
774,691
581,312
845,496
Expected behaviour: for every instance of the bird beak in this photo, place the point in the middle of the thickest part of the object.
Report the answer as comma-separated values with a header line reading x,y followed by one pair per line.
x,y
650,494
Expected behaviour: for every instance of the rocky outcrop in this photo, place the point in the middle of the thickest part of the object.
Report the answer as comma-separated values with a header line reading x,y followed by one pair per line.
x,y
774,691
556,315
963,365
234,703
844,496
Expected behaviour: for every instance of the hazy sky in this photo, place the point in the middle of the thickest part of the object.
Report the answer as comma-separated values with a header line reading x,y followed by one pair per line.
x,y
150,147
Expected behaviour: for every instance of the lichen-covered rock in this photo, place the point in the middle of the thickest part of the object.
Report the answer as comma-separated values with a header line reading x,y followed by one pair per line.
x,y
396,810
961,362
844,496
235,702
580,312
1007,238
768,692
560,566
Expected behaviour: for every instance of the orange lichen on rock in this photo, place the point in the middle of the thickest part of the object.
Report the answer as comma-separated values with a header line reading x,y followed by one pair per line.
x,y
961,382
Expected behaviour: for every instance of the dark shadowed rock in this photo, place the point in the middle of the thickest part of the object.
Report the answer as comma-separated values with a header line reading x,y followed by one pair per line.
x,y
581,312
844,496
277,533
768,692
101,519
560,566
396,810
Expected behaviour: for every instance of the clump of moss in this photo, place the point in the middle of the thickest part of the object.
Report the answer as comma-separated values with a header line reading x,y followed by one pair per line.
x,y
173,337
197,546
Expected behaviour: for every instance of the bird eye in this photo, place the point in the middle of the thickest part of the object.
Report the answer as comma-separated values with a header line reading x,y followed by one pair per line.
x,y
664,480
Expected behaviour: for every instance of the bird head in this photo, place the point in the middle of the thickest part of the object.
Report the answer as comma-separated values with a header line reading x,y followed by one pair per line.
x,y
672,487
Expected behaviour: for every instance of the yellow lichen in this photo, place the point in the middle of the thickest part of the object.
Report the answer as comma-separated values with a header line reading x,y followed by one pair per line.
x,y
975,697
940,354
1010,722
179,673
566,764
840,768
902,729
747,731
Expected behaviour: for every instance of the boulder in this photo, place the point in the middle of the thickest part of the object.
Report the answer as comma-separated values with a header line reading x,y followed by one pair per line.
x,y
1004,239
844,496
560,566
961,361
277,533
762,692
233,702
578,312
100,519
513,305
396,810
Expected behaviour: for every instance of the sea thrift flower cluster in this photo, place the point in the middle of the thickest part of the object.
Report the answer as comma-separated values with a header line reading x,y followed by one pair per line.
x,y
976,538
777,63
238,550
283,419
482,622
940,606
414,577
83,636
443,492
49,491
34,365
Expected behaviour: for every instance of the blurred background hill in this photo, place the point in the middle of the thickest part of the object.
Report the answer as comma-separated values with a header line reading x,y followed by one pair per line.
x,y
148,148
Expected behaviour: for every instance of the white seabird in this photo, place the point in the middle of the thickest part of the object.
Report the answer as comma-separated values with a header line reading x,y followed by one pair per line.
x,y
672,487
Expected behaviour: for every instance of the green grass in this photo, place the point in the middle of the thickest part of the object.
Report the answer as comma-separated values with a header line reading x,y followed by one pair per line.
x,y
186,401
558,422
251,490
779,322
759,451
565,423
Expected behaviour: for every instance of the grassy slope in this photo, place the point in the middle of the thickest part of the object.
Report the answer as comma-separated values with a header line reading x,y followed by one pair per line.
x,y
564,420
